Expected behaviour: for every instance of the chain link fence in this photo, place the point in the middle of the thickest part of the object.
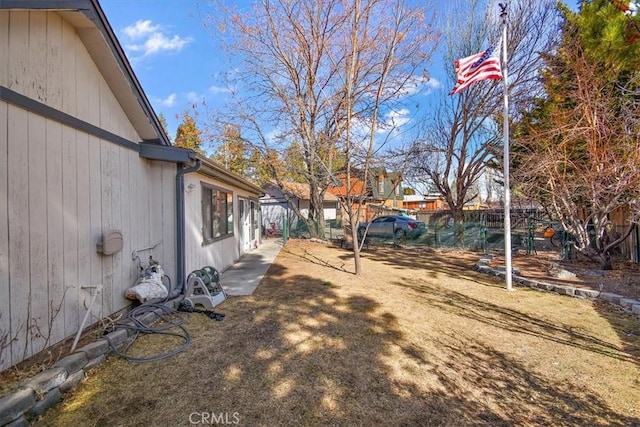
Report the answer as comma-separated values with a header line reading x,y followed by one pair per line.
x,y
481,230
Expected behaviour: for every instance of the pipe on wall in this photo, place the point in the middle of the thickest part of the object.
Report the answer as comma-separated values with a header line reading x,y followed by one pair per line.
x,y
180,228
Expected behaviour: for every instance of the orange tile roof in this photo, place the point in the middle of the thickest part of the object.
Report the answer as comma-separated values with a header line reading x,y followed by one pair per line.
x,y
357,187
301,191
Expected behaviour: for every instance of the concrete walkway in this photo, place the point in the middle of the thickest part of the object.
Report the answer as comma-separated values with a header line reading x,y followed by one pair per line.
x,y
243,277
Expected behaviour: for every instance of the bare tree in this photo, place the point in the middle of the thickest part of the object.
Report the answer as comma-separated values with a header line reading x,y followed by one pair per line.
x,y
462,134
315,75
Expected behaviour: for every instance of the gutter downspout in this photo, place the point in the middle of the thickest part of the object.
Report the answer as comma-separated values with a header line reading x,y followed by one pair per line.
x,y
180,227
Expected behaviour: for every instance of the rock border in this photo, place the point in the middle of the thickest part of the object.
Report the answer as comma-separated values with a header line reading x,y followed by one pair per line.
x,y
629,305
46,389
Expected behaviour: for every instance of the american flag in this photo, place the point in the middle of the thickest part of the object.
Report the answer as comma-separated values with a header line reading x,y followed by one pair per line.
x,y
481,66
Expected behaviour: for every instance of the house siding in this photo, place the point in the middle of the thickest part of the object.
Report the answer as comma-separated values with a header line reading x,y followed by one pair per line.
x,y
221,253
64,188
46,61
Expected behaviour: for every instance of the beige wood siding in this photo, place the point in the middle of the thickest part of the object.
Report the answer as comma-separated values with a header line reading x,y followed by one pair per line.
x,y
5,302
4,47
48,62
61,189
64,189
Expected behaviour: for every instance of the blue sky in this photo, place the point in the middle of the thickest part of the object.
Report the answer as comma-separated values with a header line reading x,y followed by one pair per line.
x,y
175,57
171,52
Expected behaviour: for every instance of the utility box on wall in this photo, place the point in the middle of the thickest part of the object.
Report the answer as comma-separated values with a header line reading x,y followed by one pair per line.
x,y
111,243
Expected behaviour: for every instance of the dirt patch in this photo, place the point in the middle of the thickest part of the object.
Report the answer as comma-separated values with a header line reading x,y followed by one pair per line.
x,y
623,280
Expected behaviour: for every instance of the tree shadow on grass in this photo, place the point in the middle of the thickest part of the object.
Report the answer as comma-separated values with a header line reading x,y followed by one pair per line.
x,y
310,257
296,353
514,321
627,326
529,397
299,352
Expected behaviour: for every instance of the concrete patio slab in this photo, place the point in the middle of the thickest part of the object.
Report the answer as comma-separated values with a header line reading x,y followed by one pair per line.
x,y
243,277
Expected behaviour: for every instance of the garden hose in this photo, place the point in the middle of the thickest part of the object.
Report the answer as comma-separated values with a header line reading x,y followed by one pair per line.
x,y
139,327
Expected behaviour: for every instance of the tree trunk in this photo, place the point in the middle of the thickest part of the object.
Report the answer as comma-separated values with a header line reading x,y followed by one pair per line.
x,y
458,226
356,250
315,221
601,257
605,261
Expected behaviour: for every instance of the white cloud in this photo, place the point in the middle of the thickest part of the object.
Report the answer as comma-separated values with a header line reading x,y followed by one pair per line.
x,y
219,89
399,117
419,85
146,38
169,101
158,42
432,84
194,97
140,29
393,120
273,136
413,86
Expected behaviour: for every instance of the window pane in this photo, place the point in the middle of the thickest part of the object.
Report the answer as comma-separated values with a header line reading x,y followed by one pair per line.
x,y
216,214
206,214
229,213
256,215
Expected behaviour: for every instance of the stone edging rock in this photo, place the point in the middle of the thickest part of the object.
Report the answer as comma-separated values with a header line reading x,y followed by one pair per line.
x,y
47,388
629,305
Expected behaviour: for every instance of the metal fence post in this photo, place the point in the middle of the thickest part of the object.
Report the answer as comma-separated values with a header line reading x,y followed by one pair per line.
x,y
483,235
566,246
530,237
284,228
637,244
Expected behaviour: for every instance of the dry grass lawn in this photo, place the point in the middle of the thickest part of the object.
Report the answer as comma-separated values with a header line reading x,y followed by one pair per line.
x,y
417,340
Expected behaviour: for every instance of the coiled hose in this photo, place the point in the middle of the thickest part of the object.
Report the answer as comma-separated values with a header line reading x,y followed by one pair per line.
x,y
139,327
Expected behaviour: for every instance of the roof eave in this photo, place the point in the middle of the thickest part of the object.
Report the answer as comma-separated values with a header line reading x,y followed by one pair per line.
x,y
218,172
128,89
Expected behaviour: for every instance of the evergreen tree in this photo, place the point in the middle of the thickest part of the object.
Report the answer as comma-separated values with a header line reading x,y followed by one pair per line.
x,y
610,33
578,150
163,122
188,135
233,152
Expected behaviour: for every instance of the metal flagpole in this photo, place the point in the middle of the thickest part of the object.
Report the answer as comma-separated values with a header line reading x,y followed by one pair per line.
x,y
507,191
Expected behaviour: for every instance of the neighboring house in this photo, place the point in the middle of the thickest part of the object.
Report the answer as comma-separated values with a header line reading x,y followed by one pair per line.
x,y
424,202
277,203
386,188
384,191
83,154
356,189
475,205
